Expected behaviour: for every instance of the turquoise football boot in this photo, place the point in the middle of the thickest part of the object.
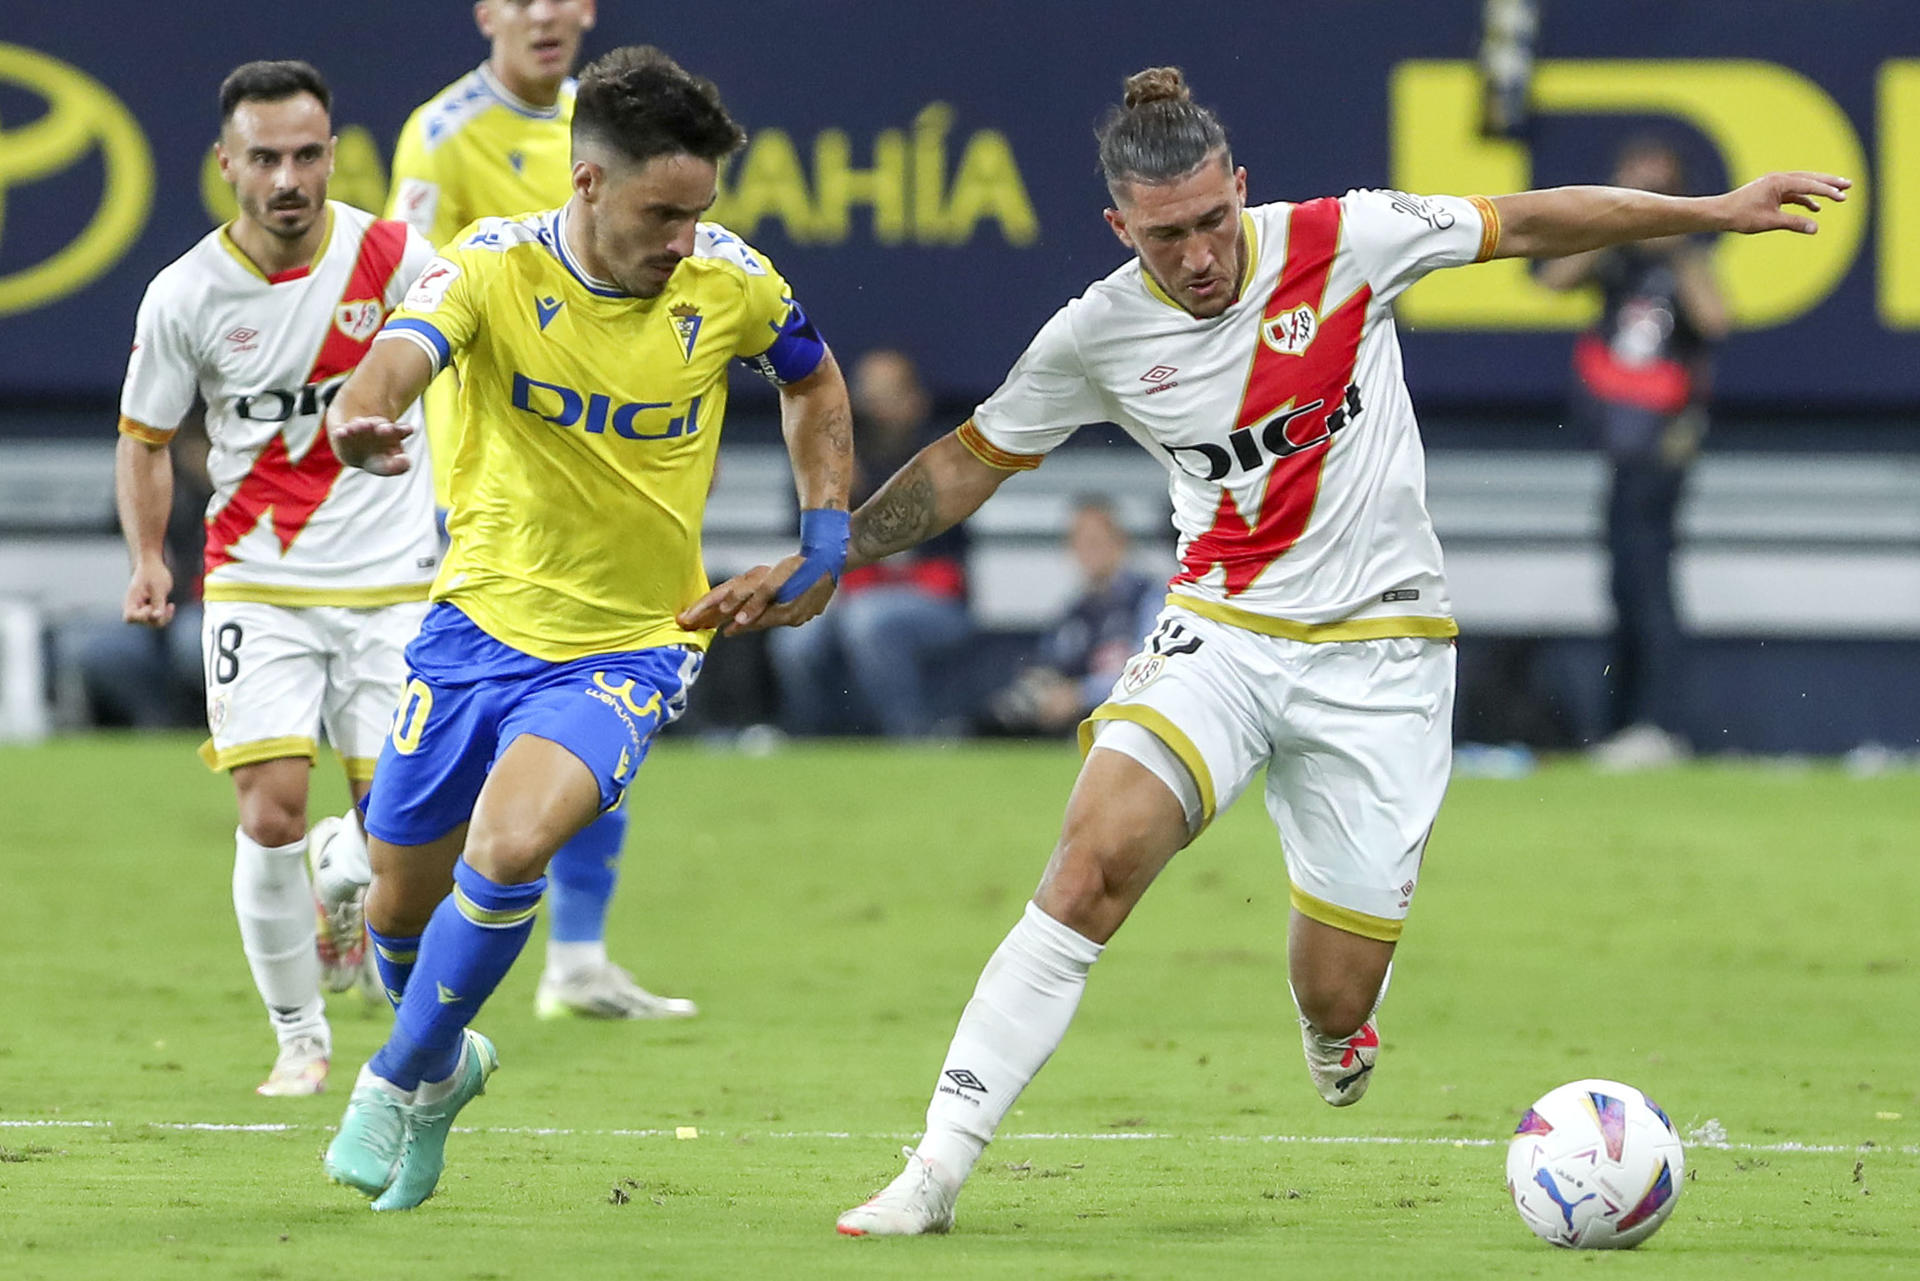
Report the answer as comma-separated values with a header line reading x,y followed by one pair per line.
x,y
365,1154
423,1155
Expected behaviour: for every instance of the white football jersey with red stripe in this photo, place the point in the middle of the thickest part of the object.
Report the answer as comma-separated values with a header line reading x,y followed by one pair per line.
x,y
288,524
1298,482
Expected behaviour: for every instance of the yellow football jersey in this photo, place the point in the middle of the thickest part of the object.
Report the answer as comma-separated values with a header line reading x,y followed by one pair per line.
x,y
589,425
475,151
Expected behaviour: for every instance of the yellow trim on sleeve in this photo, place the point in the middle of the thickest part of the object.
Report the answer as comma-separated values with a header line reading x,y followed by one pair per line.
x,y
1156,723
140,431
1489,227
261,749
359,768
1364,924
299,597
991,454
1349,629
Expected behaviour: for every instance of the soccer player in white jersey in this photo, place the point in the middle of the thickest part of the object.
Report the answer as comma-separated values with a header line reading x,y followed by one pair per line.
x,y
1307,633
316,576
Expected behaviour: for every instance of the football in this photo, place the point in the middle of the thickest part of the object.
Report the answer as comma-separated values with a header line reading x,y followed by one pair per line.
x,y
1595,1165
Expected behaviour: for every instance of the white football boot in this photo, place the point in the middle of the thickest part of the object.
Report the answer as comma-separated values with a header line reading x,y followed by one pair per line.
x,y
1341,1069
341,933
604,991
300,1069
914,1204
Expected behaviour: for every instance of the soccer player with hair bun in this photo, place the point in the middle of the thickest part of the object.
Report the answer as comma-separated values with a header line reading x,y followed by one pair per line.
x,y
1308,632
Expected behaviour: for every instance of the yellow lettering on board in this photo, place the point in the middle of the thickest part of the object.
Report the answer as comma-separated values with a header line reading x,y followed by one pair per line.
x,y
1760,116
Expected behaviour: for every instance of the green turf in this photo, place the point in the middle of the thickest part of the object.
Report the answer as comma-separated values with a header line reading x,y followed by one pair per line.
x,y
1737,941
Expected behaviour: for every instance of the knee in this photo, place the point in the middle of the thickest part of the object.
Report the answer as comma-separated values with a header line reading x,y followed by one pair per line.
x,y
400,907
1087,887
509,853
271,819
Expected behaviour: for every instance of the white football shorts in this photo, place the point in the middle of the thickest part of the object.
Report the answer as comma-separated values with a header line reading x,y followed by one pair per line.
x,y
277,676
1356,738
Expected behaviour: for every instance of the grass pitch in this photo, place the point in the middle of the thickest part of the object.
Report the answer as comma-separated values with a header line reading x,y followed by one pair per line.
x,y
1736,941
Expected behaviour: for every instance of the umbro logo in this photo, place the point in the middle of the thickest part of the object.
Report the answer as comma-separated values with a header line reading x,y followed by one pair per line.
x,y
965,1080
1161,376
548,308
243,339
518,160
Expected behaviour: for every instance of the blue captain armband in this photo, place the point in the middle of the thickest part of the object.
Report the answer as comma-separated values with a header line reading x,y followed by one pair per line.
x,y
823,541
796,351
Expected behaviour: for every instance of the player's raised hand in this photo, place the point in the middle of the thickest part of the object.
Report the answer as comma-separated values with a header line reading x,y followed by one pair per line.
x,y
371,443
146,601
1762,205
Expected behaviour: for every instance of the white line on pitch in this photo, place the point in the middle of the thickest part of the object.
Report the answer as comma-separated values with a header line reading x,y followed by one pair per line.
x,y
1354,1140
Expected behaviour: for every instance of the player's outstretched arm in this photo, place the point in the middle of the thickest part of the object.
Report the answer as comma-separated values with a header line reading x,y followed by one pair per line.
x,y
143,491
360,422
939,487
1559,221
817,420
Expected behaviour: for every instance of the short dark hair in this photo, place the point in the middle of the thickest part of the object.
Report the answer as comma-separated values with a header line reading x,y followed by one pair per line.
x,y
643,104
271,82
1159,133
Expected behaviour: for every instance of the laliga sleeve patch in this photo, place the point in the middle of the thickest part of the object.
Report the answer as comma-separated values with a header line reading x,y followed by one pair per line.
x,y
417,203
432,286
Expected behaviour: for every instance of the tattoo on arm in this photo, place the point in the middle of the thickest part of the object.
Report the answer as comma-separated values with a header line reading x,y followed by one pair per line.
x,y
900,515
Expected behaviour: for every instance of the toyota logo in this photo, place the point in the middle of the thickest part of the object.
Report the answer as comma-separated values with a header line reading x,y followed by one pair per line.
x,y
82,116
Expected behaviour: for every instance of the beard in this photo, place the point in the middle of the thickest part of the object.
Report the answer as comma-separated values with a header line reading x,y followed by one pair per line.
x,y
266,214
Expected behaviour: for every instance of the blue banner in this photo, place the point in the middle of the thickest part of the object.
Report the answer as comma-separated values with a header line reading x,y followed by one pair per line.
x,y
925,175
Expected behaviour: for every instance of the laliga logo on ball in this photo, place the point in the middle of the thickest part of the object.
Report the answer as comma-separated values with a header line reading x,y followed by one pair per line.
x,y
82,116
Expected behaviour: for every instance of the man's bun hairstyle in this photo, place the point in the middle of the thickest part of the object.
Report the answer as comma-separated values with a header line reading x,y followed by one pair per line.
x,y
1159,134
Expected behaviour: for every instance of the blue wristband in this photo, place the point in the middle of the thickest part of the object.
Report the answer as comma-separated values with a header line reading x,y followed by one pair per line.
x,y
823,541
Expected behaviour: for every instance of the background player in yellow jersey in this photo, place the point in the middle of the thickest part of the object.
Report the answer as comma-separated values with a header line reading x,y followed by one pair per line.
x,y
495,142
593,343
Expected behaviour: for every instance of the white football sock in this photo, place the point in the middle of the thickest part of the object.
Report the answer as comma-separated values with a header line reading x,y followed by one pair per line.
x,y
567,959
1018,1015
341,867
275,909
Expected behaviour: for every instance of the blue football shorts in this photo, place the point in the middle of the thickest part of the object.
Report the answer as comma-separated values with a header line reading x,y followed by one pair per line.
x,y
469,696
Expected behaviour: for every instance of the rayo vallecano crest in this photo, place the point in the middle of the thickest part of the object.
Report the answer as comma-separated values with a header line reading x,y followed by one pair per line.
x,y
1293,332
359,319
686,323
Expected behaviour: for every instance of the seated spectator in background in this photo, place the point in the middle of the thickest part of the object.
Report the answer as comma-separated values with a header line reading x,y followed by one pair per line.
x,y
147,677
1082,659
870,661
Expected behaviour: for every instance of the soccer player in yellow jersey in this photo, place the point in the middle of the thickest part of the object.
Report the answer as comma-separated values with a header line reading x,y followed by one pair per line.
x,y
496,142
593,343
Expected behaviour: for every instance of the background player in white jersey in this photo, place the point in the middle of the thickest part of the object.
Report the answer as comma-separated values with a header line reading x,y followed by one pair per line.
x,y
316,577
1308,633
496,142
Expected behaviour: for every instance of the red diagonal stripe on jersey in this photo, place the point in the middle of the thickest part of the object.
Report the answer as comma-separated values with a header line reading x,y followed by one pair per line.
x,y
1278,381
293,489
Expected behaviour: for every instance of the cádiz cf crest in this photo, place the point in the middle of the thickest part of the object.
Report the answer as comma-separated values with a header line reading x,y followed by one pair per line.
x,y
686,323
